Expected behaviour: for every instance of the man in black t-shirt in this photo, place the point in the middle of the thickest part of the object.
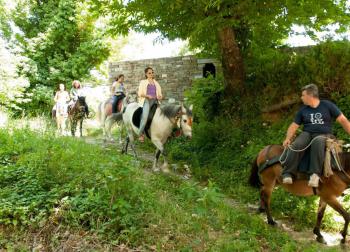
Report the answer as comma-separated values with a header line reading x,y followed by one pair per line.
x,y
317,117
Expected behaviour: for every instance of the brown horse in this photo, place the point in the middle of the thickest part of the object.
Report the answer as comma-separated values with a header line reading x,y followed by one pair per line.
x,y
328,191
77,114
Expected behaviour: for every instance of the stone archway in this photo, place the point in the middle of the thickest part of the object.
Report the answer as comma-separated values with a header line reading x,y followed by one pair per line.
x,y
209,69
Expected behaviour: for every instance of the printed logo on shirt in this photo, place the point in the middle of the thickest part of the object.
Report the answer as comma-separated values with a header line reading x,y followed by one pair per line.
x,y
316,118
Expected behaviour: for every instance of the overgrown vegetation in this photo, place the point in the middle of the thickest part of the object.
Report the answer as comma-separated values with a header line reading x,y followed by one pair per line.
x,y
224,144
57,184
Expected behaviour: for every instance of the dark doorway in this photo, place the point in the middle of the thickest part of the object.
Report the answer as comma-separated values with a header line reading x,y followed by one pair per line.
x,y
209,69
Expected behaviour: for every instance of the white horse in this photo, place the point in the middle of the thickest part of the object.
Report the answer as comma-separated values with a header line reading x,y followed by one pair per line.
x,y
107,119
61,117
165,119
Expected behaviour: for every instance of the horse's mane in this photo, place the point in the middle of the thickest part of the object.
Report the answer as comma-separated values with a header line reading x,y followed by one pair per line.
x,y
170,110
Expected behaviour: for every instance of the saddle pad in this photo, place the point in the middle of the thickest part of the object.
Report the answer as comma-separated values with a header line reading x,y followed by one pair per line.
x,y
136,118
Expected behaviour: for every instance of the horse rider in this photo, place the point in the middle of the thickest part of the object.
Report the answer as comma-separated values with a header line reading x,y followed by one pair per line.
x,y
149,93
317,117
118,92
74,93
61,96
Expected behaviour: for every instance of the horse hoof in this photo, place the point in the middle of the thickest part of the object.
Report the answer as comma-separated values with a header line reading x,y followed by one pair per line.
x,y
261,210
320,239
165,170
342,240
272,222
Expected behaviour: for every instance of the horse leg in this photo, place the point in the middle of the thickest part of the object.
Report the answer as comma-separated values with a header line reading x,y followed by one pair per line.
x,y
132,140
320,212
81,127
73,126
160,147
262,207
266,192
334,203
108,127
155,162
125,148
121,133
103,125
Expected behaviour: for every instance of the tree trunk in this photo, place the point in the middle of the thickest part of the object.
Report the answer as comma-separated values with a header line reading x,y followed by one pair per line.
x,y
232,62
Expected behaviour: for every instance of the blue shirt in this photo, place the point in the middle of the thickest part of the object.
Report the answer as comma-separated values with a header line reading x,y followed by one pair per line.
x,y
319,119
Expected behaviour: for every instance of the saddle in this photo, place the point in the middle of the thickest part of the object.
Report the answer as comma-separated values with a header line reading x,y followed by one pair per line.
x,y
333,148
109,104
136,118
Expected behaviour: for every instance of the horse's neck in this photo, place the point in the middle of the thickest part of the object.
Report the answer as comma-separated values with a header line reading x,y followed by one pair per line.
x,y
162,122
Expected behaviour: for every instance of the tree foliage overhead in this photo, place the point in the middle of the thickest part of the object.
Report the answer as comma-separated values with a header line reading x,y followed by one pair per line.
x,y
59,40
230,28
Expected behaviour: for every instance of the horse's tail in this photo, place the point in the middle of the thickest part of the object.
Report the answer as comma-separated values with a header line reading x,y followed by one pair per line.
x,y
254,179
99,112
125,103
116,117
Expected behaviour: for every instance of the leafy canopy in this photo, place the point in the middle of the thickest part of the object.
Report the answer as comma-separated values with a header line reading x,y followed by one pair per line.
x,y
258,24
59,40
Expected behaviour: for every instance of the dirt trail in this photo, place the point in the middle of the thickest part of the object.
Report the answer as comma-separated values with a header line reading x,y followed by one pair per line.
x,y
332,239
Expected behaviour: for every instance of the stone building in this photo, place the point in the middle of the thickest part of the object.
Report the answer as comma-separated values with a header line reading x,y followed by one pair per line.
x,y
174,74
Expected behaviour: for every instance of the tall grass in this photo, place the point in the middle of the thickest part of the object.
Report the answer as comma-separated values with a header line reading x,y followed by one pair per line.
x,y
64,182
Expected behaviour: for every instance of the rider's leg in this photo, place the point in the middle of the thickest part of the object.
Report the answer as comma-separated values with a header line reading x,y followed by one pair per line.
x,y
317,156
144,116
114,104
292,158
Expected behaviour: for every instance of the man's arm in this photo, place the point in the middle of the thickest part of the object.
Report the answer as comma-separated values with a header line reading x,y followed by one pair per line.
x,y
290,133
344,122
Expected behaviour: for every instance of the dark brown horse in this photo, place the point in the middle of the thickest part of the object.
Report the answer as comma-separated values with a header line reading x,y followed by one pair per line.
x,y
329,189
77,114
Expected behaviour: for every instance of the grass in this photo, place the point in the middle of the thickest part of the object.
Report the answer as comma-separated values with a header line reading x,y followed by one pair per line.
x,y
54,186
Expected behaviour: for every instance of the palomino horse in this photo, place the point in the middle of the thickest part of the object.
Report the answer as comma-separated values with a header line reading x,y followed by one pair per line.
x,y
164,121
77,114
329,189
61,117
107,118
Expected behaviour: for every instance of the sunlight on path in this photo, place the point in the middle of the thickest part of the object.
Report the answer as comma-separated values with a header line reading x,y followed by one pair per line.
x,y
332,239
3,119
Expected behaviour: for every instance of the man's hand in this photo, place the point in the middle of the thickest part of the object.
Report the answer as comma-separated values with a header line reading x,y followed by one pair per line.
x,y
159,97
286,142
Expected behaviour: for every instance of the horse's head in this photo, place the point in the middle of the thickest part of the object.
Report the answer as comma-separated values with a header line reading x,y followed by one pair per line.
x,y
81,99
186,120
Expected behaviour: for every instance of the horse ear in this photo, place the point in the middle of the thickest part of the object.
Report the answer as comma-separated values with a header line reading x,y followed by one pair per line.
x,y
191,107
183,109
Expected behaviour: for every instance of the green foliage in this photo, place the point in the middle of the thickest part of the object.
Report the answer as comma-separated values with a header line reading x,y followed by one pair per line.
x,y
47,182
37,101
256,24
40,174
59,41
224,144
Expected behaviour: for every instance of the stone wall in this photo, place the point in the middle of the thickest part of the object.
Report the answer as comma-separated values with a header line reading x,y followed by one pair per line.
x,y
174,74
